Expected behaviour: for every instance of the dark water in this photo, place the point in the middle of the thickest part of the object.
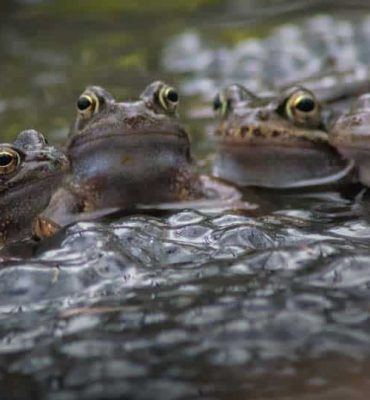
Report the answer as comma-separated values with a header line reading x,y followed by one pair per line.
x,y
271,303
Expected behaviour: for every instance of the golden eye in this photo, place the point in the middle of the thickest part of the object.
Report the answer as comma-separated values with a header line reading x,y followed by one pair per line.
x,y
303,108
168,98
229,97
87,105
9,161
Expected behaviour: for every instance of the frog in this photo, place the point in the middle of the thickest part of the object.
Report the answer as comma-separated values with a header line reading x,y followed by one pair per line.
x,y
277,140
30,171
125,154
350,135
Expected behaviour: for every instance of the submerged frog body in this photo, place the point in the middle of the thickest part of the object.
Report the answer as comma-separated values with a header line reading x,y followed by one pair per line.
x,y
30,170
126,153
276,142
350,134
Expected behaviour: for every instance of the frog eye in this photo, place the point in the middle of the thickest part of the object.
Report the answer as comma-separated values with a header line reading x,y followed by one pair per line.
x,y
303,108
168,98
87,105
220,105
9,161
229,97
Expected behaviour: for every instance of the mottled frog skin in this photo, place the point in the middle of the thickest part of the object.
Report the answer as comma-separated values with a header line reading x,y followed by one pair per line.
x,y
350,134
274,141
30,170
125,153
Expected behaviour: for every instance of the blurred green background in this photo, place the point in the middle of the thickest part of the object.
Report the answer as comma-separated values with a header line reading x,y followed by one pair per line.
x,y
51,49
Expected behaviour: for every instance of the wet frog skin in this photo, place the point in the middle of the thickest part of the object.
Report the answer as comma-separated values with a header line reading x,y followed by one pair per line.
x,y
276,142
128,153
125,153
30,170
350,134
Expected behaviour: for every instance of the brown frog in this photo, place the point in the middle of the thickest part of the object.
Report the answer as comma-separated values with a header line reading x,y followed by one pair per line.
x,y
124,154
30,170
275,141
350,134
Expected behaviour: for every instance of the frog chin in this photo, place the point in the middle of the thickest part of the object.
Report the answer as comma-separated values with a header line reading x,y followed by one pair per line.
x,y
127,170
281,167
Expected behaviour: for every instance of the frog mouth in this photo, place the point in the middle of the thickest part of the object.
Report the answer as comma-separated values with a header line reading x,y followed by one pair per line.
x,y
128,134
281,167
52,180
144,142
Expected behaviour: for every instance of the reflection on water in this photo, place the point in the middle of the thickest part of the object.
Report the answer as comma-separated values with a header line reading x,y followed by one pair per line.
x,y
271,303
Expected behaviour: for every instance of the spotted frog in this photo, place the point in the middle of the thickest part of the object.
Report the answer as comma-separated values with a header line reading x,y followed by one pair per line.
x,y
350,134
30,170
275,141
126,153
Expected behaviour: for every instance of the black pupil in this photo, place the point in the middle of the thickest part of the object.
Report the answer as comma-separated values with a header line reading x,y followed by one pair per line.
x,y
5,159
83,103
306,105
217,103
172,96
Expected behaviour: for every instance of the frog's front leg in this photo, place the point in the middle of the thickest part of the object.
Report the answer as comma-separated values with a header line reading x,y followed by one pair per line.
x,y
61,211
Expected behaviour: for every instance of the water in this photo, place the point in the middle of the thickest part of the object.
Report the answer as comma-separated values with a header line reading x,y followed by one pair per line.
x,y
266,303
